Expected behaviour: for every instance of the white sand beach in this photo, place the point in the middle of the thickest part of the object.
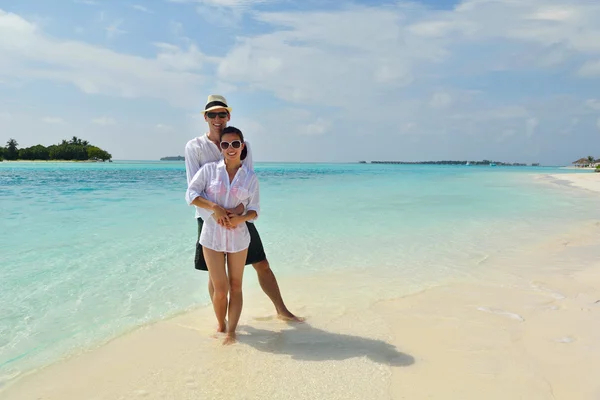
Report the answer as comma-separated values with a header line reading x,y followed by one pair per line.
x,y
525,328
589,181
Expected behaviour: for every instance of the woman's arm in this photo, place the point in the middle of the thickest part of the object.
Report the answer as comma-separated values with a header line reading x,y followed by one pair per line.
x,y
253,207
195,192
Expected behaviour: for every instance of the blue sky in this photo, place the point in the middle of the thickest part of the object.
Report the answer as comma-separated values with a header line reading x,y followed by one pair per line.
x,y
515,81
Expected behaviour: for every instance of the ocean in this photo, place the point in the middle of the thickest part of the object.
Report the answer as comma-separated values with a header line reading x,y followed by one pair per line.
x,y
91,251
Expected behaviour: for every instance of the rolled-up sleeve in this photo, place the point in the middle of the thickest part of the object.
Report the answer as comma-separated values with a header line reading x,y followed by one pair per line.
x,y
254,199
192,162
192,168
196,188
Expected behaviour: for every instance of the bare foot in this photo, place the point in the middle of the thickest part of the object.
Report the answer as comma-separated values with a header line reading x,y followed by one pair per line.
x,y
288,316
229,339
221,329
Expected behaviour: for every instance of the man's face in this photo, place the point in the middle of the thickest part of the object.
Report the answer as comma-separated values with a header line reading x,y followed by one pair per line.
x,y
217,119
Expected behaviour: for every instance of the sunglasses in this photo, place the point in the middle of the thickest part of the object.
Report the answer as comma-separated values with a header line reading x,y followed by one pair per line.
x,y
236,144
221,114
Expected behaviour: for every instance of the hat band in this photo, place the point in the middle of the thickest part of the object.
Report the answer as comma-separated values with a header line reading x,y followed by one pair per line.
x,y
215,103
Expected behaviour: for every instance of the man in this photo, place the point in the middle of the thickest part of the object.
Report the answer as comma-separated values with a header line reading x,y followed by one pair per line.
x,y
205,149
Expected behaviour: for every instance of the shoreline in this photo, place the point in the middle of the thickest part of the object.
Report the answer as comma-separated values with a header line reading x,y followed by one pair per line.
x,y
525,328
510,333
586,181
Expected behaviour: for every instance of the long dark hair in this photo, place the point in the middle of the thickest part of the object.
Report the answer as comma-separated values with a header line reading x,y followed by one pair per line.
x,y
233,129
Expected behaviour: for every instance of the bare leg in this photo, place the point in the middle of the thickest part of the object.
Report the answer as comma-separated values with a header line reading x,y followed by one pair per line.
x,y
269,285
211,288
216,270
235,269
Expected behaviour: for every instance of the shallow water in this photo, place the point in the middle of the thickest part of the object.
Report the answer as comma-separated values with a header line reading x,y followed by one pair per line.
x,y
90,251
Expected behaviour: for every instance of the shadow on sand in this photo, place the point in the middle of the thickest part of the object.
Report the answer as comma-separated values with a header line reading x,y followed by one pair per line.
x,y
307,343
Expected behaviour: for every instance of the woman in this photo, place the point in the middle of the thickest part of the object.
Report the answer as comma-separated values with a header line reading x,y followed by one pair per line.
x,y
216,187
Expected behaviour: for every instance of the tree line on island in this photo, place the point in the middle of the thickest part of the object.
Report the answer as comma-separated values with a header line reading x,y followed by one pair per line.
x,y
453,162
67,150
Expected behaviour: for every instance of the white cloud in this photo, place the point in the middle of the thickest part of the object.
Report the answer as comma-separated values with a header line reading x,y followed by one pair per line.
x,y
553,13
95,70
347,52
319,127
164,127
225,3
113,29
593,104
530,126
173,57
590,69
142,9
506,134
224,13
5,116
498,113
440,100
87,2
104,121
53,120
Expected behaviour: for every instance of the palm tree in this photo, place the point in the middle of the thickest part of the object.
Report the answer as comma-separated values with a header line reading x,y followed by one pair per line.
x,y
85,143
75,140
11,149
590,160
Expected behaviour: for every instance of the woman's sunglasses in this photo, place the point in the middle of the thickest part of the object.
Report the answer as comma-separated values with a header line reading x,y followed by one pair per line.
x,y
221,114
236,144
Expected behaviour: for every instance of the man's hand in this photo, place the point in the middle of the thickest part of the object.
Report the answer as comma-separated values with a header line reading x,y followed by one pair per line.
x,y
239,210
235,220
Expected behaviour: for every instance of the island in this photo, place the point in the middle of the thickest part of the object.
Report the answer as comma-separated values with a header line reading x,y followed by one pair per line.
x,y
75,149
452,162
173,158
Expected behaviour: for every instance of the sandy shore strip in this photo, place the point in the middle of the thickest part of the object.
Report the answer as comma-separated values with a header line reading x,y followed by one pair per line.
x,y
526,328
582,180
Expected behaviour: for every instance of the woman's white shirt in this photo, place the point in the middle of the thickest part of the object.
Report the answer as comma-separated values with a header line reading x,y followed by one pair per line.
x,y
212,183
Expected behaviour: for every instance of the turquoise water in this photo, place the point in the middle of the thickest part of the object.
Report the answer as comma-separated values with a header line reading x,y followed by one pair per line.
x,y
90,251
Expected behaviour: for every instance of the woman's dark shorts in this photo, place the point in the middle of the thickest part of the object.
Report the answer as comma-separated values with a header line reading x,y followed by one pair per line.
x,y
256,252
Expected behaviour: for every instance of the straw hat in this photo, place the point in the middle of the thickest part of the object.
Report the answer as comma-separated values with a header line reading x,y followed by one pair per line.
x,y
215,101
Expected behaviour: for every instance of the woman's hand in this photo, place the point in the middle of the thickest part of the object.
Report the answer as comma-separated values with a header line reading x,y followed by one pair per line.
x,y
220,215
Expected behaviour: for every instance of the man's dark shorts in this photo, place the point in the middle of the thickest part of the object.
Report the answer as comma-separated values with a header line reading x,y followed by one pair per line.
x,y
256,252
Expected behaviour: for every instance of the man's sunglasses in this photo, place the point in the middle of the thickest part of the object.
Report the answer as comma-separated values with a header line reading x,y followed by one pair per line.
x,y
221,114
236,144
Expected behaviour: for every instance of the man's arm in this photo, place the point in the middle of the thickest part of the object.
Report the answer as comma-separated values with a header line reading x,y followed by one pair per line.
x,y
192,161
254,201
192,166
249,161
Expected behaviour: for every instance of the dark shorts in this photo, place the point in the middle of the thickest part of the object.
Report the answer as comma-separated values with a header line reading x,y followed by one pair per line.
x,y
256,252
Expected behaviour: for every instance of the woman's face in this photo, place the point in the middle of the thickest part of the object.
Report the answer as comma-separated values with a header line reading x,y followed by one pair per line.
x,y
231,146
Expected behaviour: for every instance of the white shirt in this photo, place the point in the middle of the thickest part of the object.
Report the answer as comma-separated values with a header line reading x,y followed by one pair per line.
x,y
200,151
212,183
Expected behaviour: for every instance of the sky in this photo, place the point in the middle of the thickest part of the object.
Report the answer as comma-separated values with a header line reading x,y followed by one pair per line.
x,y
308,81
